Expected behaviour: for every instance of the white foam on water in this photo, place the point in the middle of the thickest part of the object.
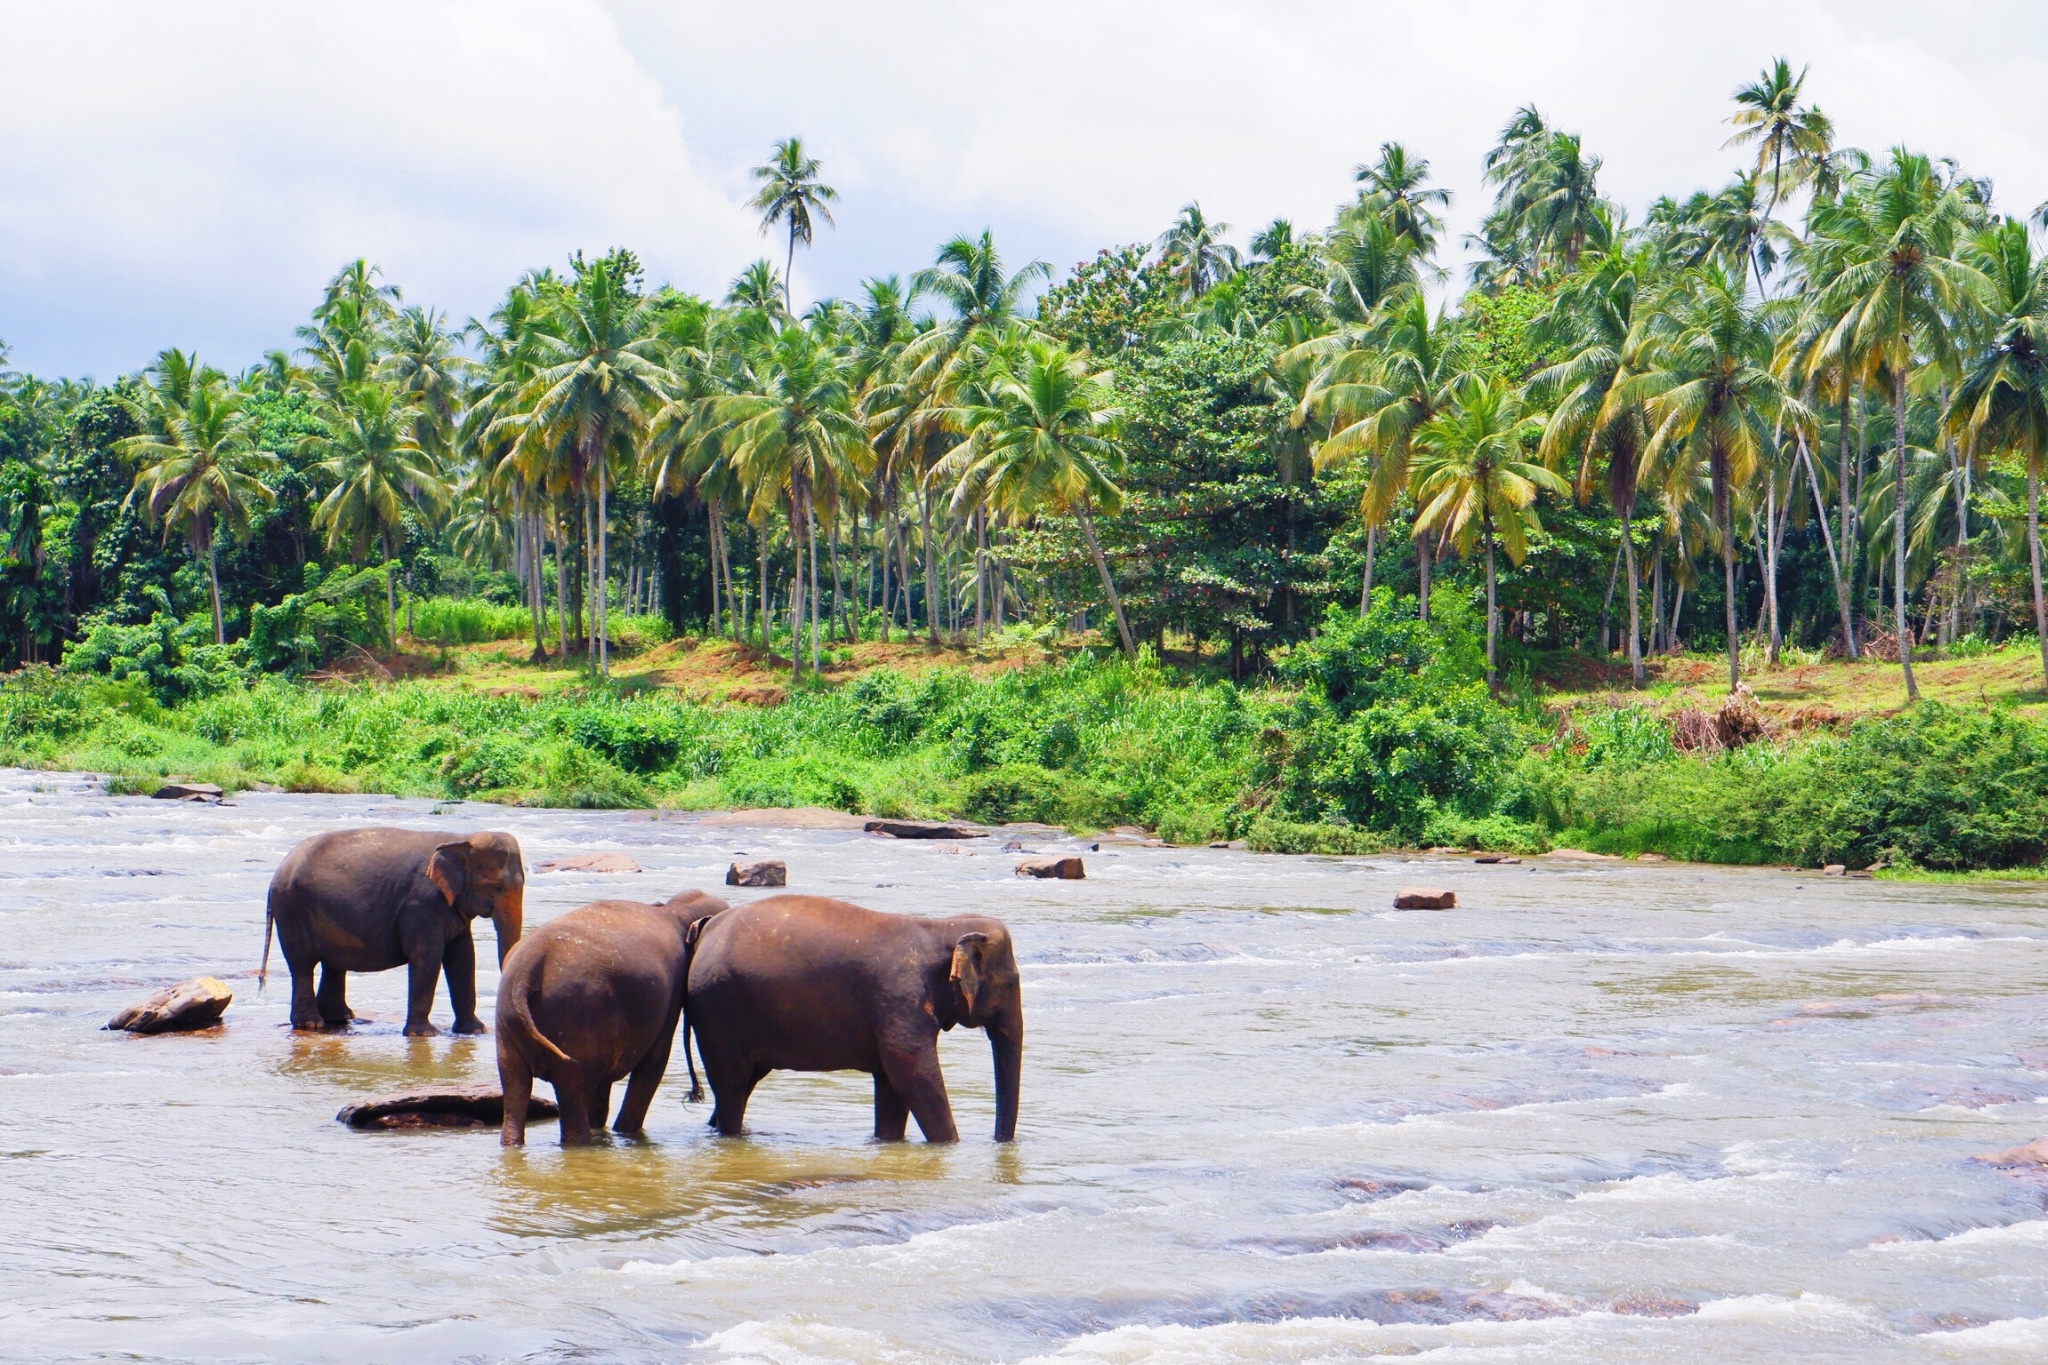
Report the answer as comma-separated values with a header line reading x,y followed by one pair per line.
x,y
2031,1233
798,1341
2027,1335
1801,1310
952,1247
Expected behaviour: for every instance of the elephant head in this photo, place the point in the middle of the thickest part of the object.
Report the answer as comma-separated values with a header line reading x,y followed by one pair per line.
x,y
988,995
483,877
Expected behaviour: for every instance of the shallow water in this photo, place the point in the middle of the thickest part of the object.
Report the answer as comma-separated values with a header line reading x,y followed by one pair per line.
x,y
1612,1112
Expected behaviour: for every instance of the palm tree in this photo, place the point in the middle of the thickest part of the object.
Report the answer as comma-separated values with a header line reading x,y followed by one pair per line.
x,y
1193,249
1397,185
1768,114
1272,239
1702,361
1041,439
509,354
1895,286
423,362
791,193
1592,319
200,469
368,447
597,387
2001,401
1473,481
1548,197
760,290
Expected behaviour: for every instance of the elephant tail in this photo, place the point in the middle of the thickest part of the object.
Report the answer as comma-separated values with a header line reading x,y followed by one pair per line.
x,y
263,972
690,937
517,1007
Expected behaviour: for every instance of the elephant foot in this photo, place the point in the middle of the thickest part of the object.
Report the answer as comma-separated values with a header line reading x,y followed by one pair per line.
x,y
470,1026
421,1031
313,1025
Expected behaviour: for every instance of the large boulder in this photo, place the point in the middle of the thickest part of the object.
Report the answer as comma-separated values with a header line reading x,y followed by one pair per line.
x,y
1425,898
446,1106
187,791
195,1004
765,872
921,829
589,862
1062,869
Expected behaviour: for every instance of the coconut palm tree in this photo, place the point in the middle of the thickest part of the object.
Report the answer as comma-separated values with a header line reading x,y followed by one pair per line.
x,y
1194,251
200,471
1041,439
1397,185
1474,482
1895,285
423,362
1593,415
1768,116
2001,401
367,448
1701,358
791,194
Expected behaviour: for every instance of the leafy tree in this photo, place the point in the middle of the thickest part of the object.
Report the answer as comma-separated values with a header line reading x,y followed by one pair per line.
x,y
792,194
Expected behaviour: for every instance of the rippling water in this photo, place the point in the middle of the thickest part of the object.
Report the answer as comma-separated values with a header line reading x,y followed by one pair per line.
x,y
1609,1112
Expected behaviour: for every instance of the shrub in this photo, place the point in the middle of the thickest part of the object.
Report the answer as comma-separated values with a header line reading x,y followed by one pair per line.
x,y
449,621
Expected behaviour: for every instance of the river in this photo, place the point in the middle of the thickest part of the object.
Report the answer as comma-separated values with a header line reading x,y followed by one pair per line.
x,y
1611,1112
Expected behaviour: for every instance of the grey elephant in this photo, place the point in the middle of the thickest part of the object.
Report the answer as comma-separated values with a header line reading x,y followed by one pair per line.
x,y
368,900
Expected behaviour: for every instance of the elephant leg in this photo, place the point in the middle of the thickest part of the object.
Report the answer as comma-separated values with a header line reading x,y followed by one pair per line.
x,y
516,1079
419,992
572,1097
332,996
598,1096
917,1078
892,1115
732,1084
458,964
644,1081
305,1001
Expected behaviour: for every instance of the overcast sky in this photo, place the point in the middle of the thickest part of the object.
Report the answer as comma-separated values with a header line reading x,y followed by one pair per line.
x,y
189,174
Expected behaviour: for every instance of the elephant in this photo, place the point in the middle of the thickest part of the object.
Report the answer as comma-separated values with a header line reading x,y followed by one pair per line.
x,y
591,997
367,900
803,983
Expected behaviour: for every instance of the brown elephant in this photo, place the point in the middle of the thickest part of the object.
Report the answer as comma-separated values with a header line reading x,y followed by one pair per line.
x,y
592,997
802,983
367,900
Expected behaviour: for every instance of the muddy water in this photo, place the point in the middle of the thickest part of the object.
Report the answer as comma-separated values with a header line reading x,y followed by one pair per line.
x,y
1610,1112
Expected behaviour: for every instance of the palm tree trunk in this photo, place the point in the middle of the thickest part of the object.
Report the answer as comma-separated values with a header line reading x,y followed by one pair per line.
x,y
2034,558
390,598
980,574
1847,591
1492,603
761,547
1423,558
811,537
887,533
1116,605
1372,535
1905,627
561,587
1723,522
1635,618
220,634
604,661
931,573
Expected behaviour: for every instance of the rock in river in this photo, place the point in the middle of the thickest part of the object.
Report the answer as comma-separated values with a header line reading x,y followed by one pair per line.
x,y
589,862
1425,898
921,829
195,1004
187,791
447,1106
1062,869
767,872
2035,1153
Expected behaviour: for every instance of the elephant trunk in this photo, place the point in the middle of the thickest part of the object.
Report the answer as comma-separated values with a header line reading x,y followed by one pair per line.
x,y
1006,1041
508,920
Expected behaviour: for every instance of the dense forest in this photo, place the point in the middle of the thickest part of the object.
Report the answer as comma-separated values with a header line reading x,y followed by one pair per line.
x,y
1805,409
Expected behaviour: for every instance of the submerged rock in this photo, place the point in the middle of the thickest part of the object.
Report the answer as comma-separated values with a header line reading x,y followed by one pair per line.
x,y
766,872
1579,855
450,1106
1425,898
2035,1153
588,862
1067,869
921,829
187,791
195,1004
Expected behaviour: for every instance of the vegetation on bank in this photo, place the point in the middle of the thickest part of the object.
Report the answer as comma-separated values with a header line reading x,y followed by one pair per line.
x,y
1378,732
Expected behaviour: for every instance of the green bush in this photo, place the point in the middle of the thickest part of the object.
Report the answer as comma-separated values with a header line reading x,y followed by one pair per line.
x,y
448,621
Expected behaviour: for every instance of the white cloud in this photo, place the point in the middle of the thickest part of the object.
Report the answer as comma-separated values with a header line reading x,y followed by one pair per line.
x,y
189,174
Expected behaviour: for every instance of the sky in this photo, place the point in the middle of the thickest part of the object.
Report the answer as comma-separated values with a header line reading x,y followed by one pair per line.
x,y
190,175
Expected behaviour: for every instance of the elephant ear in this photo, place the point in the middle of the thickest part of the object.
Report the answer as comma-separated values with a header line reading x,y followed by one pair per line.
x,y
970,957
448,869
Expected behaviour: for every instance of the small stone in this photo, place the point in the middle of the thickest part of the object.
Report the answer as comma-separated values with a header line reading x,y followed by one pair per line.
x,y
1490,859
187,791
2035,1153
449,1106
921,829
1061,869
766,872
589,862
195,1004
1425,898
1014,846
1651,858
1834,870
